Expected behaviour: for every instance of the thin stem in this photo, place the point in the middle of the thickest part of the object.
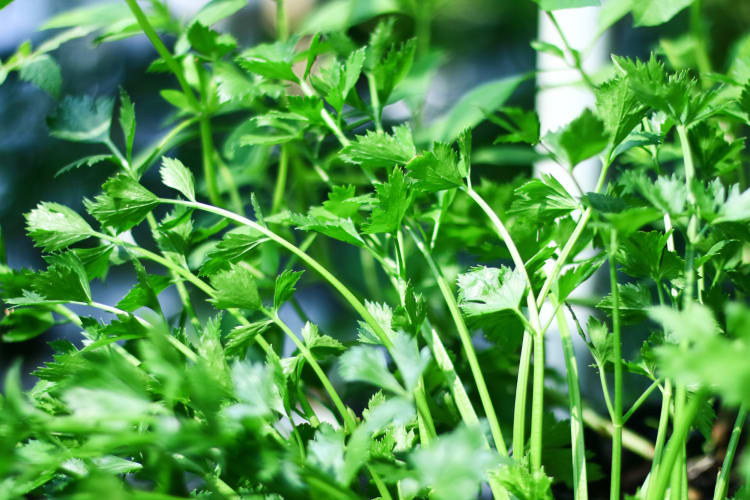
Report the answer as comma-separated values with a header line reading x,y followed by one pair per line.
x,y
309,261
375,102
576,55
465,337
614,492
209,173
349,423
537,401
661,434
163,51
630,440
722,483
570,244
580,483
187,275
329,120
282,23
281,175
162,145
605,390
522,389
638,402
675,446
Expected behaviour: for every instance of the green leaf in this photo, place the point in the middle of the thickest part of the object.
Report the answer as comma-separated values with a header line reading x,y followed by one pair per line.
x,y
144,293
256,391
127,122
573,277
632,219
525,484
635,300
394,198
655,12
82,119
209,42
235,246
284,288
123,204
88,161
322,221
270,60
454,465
644,254
235,288
678,95
320,345
737,206
53,226
408,358
343,201
436,170
383,315
581,139
42,71
240,338
520,125
216,10
667,194
65,279
619,108
368,364
565,4
543,199
473,106
601,341
177,176
695,322
379,149
392,68
21,325
487,290
326,452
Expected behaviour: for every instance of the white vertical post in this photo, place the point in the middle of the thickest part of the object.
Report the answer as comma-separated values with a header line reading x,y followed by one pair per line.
x,y
562,96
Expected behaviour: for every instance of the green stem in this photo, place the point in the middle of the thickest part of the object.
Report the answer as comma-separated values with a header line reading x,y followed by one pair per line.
x,y
661,433
522,389
638,402
349,423
570,244
209,173
722,483
537,401
679,474
162,50
375,102
187,275
161,147
580,483
605,389
675,446
279,188
614,492
465,337
282,23
309,261
574,54
329,120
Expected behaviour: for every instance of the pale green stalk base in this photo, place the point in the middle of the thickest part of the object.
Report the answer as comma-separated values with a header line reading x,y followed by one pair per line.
x,y
722,483
580,481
